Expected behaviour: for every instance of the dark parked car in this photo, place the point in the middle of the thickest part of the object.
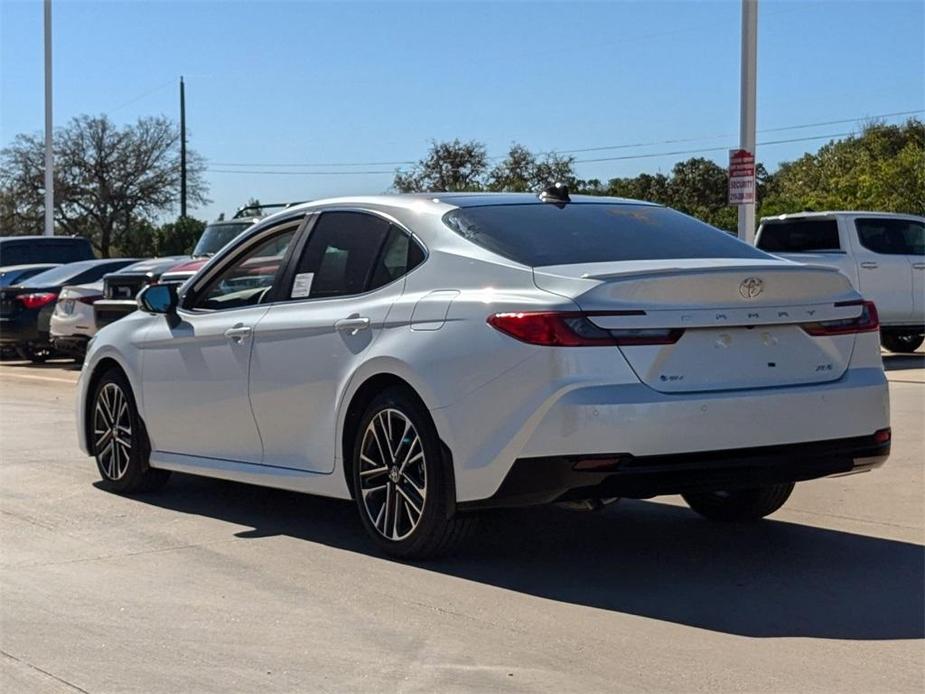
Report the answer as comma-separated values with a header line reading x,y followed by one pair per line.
x,y
121,287
19,250
17,274
25,309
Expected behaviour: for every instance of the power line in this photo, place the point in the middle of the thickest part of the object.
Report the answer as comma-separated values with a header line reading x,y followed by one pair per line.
x,y
716,137
581,150
710,149
390,172
651,155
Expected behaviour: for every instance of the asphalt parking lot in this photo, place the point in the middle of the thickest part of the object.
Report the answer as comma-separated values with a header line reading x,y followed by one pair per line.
x,y
214,587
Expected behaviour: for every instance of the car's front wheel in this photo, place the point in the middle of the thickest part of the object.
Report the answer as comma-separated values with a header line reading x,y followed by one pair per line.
x,y
120,442
402,485
740,504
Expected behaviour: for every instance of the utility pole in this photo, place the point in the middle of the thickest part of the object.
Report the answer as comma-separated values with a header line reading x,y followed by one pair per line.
x,y
182,149
747,114
49,154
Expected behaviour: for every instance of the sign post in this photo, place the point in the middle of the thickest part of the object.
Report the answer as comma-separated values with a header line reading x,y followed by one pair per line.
x,y
747,112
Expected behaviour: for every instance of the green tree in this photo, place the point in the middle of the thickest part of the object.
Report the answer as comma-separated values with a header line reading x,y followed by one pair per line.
x,y
107,178
179,237
882,168
521,171
448,166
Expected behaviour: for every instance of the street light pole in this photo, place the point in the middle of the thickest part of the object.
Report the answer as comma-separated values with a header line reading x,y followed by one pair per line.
x,y
182,149
49,154
747,113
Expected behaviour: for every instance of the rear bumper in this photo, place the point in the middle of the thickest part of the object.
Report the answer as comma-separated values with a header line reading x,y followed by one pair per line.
x,y
21,329
75,345
543,480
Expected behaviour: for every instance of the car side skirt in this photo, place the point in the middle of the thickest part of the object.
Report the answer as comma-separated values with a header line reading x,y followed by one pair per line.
x,y
291,479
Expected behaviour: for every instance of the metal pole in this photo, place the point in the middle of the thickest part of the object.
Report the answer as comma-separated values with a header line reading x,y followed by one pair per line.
x,y
49,154
182,149
747,113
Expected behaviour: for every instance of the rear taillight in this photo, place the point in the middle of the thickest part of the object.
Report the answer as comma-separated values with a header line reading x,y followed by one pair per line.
x,y
867,322
573,329
89,300
33,301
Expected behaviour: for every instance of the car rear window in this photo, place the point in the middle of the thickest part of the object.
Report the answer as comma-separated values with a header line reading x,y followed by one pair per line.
x,y
891,236
216,235
538,234
799,236
77,273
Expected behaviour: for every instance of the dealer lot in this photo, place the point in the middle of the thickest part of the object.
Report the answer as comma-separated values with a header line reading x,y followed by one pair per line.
x,y
212,586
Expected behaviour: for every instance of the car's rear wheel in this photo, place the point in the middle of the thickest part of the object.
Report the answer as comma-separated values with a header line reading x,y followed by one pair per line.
x,y
402,485
119,440
902,343
740,504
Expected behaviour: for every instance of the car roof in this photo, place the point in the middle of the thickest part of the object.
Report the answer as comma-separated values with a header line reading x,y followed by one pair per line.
x,y
28,266
442,202
834,213
37,237
151,264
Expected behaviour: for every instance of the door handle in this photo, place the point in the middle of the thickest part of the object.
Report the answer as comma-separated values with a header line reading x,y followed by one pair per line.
x,y
353,324
919,266
238,333
869,265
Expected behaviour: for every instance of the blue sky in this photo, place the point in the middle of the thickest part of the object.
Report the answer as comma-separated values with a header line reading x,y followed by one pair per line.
x,y
275,83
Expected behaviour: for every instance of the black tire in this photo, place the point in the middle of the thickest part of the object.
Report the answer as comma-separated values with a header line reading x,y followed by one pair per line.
x,y
901,343
37,355
122,455
417,456
740,504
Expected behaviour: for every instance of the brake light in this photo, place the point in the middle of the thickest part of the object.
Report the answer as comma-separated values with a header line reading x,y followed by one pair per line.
x,y
883,435
33,301
867,322
573,329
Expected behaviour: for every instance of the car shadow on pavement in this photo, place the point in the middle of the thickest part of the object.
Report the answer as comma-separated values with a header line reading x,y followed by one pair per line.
x,y
768,579
903,362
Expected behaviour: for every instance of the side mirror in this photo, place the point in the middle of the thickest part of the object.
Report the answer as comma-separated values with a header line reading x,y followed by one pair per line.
x,y
159,298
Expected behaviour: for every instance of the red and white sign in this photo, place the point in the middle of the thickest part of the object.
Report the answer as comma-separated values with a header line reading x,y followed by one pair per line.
x,y
741,177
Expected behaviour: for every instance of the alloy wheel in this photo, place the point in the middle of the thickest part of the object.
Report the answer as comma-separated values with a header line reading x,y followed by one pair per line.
x,y
393,474
112,431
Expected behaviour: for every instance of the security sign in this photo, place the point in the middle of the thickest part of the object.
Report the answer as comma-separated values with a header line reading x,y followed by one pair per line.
x,y
741,177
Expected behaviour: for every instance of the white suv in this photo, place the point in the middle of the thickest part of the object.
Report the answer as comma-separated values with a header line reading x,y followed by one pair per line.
x,y
883,255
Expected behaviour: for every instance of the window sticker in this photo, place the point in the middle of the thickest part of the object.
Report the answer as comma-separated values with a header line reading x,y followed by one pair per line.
x,y
302,286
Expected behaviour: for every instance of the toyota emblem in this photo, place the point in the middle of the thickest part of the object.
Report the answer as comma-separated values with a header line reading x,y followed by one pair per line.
x,y
751,287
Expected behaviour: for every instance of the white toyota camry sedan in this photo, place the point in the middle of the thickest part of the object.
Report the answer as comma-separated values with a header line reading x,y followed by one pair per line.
x,y
429,356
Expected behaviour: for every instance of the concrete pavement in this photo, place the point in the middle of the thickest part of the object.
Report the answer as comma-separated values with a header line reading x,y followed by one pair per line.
x,y
214,587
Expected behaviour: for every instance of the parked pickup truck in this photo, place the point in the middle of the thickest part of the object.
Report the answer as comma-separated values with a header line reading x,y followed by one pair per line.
x,y
883,254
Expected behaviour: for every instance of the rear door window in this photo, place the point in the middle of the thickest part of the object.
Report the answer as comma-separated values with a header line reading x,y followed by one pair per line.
x,y
400,255
891,236
800,236
340,256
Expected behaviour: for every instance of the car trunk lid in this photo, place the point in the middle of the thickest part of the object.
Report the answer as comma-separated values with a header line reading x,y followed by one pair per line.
x,y
741,319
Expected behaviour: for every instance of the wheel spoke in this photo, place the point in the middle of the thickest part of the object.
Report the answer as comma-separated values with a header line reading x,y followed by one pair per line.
x,y
409,503
397,503
374,471
408,459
